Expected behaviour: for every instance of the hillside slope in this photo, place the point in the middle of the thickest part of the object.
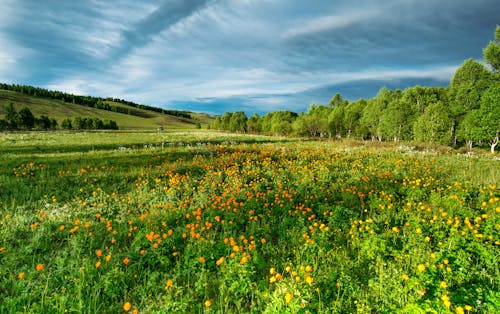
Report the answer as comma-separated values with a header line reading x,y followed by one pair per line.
x,y
59,110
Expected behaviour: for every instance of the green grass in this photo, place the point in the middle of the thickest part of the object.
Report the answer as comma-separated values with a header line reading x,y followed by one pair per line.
x,y
206,222
59,110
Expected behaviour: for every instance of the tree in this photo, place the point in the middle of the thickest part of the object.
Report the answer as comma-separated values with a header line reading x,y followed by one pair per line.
x,y
238,122
11,116
26,118
435,125
66,124
352,115
491,53
490,116
337,100
336,121
254,124
466,87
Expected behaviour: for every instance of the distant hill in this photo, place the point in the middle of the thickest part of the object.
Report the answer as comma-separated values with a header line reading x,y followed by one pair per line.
x,y
128,115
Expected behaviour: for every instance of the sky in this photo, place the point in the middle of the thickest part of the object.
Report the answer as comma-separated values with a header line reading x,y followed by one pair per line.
x,y
226,55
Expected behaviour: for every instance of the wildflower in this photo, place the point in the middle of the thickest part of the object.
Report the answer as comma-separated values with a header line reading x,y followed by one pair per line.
x,y
98,253
243,260
308,269
127,306
21,275
208,303
446,300
98,264
220,261
272,271
39,267
421,267
395,229
61,227
108,257
443,285
405,277
459,310
126,260
288,297
169,284
309,279
468,308
202,260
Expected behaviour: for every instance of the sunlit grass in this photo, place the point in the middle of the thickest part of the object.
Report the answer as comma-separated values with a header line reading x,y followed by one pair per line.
x,y
206,222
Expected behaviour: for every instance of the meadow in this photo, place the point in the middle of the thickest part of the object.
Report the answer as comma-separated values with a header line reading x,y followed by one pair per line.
x,y
138,222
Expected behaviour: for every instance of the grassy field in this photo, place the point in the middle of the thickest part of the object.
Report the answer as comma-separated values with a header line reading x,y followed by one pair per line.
x,y
186,222
59,110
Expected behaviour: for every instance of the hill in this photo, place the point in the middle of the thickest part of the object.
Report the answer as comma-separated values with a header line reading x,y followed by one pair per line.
x,y
127,115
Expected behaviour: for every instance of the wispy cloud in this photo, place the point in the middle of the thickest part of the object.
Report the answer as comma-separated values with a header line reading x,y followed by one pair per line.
x,y
220,54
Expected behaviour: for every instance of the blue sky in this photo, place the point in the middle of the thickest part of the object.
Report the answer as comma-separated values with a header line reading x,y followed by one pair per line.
x,y
225,55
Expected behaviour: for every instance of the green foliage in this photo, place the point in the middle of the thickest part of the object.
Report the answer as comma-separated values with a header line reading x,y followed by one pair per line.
x,y
98,222
435,125
491,53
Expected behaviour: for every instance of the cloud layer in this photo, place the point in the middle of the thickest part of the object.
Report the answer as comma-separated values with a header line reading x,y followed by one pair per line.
x,y
256,55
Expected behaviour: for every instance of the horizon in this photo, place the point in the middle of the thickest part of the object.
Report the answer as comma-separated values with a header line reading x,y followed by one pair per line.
x,y
214,56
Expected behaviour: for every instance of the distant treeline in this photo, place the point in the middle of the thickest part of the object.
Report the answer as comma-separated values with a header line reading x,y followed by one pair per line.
x,y
94,102
25,120
467,112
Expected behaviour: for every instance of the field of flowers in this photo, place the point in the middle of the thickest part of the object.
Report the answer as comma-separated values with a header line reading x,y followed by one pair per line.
x,y
244,224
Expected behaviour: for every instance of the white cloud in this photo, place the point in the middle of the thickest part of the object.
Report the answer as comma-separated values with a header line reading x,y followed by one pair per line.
x,y
330,22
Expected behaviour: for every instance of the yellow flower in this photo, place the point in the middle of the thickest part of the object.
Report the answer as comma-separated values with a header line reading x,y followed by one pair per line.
x,y
169,284
468,308
459,310
108,257
272,271
308,269
446,300
220,261
208,303
421,267
127,306
443,285
21,275
405,277
309,279
288,297
202,259
98,264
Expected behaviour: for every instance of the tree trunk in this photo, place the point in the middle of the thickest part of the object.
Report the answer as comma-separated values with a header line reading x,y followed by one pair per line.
x,y
493,144
469,144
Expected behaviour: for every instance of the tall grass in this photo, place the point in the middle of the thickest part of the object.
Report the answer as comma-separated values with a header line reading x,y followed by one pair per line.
x,y
203,222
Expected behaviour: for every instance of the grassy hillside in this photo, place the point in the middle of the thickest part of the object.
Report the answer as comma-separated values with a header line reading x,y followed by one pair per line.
x,y
59,110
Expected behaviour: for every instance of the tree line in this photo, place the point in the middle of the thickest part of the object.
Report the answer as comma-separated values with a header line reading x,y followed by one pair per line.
x,y
467,112
25,120
94,102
